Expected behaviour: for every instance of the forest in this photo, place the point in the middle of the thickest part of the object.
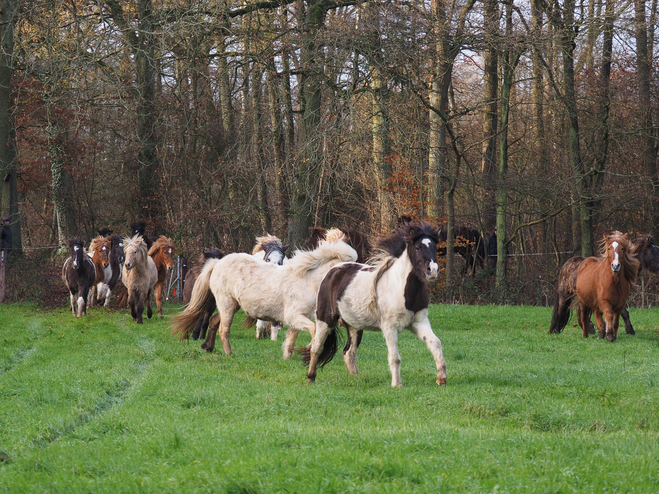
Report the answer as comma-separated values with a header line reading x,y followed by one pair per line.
x,y
218,121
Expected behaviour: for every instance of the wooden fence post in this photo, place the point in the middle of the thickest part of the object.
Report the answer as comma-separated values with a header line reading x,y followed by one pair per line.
x,y
2,276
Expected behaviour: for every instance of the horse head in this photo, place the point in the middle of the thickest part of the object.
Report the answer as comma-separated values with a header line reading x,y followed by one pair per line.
x,y
134,252
117,249
77,251
162,252
620,254
100,251
273,250
645,250
422,242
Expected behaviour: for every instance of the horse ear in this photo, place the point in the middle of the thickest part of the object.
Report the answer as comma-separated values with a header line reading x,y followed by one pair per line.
x,y
285,248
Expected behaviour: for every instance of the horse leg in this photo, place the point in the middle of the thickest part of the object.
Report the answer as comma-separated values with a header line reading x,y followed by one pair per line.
x,y
214,323
299,322
289,342
274,330
629,329
201,327
317,344
422,329
72,296
139,309
149,311
601,324
588,328
611,323
391,337
225,327
350,351
160,288
616,324
261,329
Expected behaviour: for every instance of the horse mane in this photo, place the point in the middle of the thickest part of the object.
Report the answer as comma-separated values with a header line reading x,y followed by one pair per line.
x,y
628,260
99,242
162,242
394,244
76,241
261,242
308,260
136,241
334,235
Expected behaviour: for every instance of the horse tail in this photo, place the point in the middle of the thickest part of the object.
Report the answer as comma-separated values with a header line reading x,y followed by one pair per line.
x,y
249,322
560,315
202,301
330,348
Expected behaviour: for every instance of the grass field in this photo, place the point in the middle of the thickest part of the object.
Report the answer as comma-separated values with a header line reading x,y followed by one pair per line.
x,y
101,405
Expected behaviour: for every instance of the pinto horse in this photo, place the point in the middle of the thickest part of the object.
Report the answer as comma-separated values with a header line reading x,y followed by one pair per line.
x,y
643,248
188,285
113,273
265,291
391,295
162,253
78,273
604,283
99,251
270,249
139,275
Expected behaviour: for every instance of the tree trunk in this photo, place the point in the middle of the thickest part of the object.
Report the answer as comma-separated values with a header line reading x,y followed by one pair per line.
x,y
8,171
648,132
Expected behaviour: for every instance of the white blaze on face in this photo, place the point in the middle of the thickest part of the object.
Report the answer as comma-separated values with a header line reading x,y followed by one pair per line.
x,y
615,265
434,267
276,257
426,242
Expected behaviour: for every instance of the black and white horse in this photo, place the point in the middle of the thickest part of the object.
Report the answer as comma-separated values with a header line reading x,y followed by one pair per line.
x,y
113,271
79,274
391,295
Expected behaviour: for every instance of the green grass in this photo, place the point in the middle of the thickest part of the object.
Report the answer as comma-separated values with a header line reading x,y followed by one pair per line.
x,y
101,404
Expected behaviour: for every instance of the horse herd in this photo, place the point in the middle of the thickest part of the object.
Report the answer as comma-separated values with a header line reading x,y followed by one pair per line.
x,y
338,279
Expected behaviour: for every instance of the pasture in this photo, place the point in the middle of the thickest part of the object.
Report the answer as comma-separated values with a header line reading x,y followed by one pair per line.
x,y
100,404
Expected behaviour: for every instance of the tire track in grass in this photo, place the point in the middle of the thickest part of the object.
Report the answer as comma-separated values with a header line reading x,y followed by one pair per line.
x,y
22,355
113,397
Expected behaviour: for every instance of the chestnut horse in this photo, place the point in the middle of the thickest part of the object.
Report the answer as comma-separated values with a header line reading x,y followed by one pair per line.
x,y
139,275
604,283
99,251
162,253
643,249
78,273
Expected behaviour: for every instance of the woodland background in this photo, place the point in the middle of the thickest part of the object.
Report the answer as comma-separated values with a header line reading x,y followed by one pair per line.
x,y
219,121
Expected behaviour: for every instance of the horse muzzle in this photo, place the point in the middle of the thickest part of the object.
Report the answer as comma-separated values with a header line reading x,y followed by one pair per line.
x,y
432,271
128,266
615,267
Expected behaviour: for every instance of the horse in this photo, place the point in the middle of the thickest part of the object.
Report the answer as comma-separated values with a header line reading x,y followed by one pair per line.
x,y
642,248
112,277
284,293
99,251
188,285
270,249
78,274
469,244
604,283
162,253
357,240
390,295
139,275
139,228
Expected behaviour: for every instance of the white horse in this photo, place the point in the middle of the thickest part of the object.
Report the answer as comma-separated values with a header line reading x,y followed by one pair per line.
x,y
389,296
269,249
264,291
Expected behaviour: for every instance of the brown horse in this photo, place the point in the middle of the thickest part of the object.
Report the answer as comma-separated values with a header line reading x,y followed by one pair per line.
x,y
99,251
162,253
643,248
188,285
604,283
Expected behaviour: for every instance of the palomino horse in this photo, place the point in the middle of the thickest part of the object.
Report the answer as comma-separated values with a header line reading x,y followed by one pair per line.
x,y
139,275
390,296
78,273
188,285
113,273
604,283
162,253
642,248
264,291
270,249
99,251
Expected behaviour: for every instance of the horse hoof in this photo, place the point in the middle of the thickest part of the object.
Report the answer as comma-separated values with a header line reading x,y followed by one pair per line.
x,y
610,338
441,381
631,331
